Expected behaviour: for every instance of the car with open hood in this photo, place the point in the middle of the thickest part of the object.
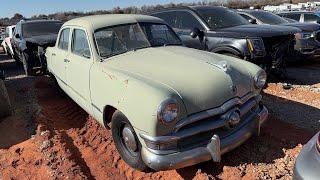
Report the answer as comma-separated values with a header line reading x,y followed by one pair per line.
x,y
221,30
169,106
30,40
307,41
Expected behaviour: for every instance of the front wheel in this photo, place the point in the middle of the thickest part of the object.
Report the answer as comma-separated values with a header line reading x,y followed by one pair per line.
x,y
127,142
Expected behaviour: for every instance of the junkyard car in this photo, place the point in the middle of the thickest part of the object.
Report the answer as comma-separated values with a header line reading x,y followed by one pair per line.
x,y
30,40
302,16
169,106
307,41
221,30
308,162
6,44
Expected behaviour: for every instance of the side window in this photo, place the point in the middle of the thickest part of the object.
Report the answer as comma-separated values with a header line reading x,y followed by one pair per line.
x,y
80,44
311,18
294,16
168,17
187,22
64,39
246,16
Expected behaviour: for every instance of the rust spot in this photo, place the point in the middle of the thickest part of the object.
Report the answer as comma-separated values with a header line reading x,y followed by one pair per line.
x,y
112,77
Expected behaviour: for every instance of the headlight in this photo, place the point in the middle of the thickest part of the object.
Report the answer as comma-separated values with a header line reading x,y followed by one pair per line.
x,y
168,111
304,35
260,79
256,46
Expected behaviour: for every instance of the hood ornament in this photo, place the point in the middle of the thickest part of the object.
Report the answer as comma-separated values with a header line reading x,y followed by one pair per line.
x,y
223,65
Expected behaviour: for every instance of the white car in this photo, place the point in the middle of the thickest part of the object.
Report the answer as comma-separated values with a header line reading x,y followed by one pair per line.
x,y
6,43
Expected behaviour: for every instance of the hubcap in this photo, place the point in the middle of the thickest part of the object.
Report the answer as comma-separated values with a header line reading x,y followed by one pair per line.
x,y
129,139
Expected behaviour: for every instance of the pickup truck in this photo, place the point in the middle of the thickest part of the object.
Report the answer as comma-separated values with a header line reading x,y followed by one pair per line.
x,y
169,106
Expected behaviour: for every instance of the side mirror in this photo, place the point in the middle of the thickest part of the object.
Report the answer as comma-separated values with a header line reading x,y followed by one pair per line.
x,y
252,21
196,32
17,36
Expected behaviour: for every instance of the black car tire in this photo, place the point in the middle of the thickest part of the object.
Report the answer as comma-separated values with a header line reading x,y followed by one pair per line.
x,y
5,106
25,62
132,158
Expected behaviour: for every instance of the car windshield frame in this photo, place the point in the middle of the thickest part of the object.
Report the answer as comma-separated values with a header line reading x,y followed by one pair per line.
x,y
146,37
262,16
207,13
40,33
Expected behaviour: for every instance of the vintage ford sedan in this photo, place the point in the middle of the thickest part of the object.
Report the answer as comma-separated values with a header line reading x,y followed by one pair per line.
x,y
168,106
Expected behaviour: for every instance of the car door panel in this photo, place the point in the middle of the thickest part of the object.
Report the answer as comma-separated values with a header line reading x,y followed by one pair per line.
x,y
78,69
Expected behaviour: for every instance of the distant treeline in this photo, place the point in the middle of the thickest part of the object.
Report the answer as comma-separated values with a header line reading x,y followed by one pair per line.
x,y
65,16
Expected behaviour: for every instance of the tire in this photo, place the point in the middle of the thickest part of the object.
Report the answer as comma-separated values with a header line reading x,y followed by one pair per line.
x,y
5,106
25,62
132,158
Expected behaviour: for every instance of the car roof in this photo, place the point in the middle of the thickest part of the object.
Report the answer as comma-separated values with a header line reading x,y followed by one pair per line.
x,y
39,21
100,21
295,12
193,8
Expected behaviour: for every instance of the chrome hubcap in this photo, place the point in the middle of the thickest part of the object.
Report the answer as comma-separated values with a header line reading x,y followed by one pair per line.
x,y
129,139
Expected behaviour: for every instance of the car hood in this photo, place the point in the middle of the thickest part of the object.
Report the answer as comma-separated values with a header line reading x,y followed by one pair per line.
x,y
309,27
253,30
43,39
191,73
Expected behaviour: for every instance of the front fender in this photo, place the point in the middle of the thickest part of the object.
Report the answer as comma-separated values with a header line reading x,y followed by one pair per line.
x,y
138,98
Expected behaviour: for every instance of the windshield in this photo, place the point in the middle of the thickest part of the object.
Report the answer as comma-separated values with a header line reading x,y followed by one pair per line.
x,y
218,18
268,18
40,28
120,39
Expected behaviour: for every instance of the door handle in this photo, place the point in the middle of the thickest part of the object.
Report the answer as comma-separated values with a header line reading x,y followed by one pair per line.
x,y
66,60
53,54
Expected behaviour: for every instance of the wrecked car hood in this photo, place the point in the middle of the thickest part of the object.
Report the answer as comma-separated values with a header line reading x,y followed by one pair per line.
x,y
43,39
253,30
308,27
195,75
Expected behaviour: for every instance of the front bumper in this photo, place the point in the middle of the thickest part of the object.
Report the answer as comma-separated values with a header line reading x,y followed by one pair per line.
x,y
308,162
212,150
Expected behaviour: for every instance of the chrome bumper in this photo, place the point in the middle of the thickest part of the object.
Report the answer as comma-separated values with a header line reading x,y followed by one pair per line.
x,y
213,150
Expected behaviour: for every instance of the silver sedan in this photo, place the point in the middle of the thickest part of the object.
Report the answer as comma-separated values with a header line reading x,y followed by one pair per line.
x,y
308,162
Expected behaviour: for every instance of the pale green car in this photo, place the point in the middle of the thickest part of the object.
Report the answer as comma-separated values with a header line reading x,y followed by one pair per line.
x,y
169,106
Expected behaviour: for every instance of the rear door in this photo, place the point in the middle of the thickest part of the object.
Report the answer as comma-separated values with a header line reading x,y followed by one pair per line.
x,y
79,63
60,56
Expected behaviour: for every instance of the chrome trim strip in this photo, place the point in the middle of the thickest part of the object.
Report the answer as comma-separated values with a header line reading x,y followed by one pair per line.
x,y
96,107
215,111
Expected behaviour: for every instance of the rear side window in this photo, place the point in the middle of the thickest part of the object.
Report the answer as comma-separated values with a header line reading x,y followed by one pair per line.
x,y
311,18
186,21
293,16
80,45
168,17
64,39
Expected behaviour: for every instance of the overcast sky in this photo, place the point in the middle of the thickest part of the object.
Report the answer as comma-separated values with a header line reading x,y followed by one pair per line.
x,y
34,7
